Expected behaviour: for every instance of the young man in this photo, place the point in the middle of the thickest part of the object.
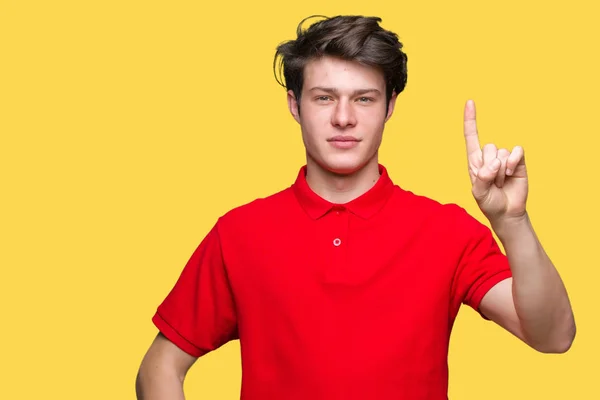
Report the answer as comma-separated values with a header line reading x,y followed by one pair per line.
x,y
344,285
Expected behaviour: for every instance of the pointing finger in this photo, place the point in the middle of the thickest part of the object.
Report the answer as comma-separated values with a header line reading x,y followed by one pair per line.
x,y
470,129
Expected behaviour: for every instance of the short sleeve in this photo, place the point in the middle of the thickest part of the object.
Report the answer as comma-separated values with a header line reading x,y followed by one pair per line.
x,y
482,263
198,315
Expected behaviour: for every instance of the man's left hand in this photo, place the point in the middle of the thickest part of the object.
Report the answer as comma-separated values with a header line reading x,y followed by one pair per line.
x,y
498,176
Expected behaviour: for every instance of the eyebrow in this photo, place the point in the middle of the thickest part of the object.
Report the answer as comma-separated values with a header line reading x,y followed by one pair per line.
x,y
357,92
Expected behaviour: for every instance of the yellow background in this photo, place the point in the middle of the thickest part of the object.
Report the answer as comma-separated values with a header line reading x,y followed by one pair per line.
x,y
128,127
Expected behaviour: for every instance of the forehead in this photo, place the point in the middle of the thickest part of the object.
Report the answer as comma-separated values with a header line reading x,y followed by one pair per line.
x,y
341,74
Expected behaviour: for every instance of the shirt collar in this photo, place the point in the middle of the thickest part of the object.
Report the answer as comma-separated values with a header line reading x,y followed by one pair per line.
x,y
364,206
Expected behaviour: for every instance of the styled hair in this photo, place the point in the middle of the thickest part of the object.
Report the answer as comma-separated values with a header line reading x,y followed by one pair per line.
x,y
354,38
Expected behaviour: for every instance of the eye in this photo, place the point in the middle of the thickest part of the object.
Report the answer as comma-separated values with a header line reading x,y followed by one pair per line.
x,y
365,99
323,98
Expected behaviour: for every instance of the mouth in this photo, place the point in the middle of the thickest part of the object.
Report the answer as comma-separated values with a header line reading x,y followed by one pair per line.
x,y
344,142
341,138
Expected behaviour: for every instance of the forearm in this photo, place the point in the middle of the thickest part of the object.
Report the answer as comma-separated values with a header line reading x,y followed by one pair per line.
x,y
156,383
540,297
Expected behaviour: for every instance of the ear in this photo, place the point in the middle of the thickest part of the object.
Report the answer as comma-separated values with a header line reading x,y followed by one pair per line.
x,y
293,105
391,106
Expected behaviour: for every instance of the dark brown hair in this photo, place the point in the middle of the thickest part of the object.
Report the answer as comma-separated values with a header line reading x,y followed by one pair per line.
x,y
355,38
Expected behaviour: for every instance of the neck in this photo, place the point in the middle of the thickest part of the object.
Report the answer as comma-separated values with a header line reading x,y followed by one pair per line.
x,y
341,188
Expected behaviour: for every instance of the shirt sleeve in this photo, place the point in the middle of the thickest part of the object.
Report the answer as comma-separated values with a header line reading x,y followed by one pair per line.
x,y
198,315
482,263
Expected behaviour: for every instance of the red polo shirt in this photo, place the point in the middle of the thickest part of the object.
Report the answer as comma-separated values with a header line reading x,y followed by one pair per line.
x,y
352,301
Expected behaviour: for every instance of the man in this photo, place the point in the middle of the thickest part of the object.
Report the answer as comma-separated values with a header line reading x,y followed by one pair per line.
x,y
344,285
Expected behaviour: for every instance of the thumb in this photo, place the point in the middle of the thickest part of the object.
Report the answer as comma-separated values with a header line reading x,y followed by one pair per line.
x,y
484,179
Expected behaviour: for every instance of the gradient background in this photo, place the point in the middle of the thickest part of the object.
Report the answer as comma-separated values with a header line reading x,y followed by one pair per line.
x,y
128,127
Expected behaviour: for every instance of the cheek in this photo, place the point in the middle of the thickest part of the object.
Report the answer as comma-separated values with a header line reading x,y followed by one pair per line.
x,y
309,133
373,124
314,124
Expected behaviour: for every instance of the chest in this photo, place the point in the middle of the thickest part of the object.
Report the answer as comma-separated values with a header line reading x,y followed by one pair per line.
x,y
344,265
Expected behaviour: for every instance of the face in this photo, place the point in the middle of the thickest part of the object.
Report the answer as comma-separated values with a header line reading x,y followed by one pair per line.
x,y
342,114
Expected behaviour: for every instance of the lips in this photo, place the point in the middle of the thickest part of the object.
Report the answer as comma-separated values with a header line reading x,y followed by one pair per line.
x,y
343,142
342,138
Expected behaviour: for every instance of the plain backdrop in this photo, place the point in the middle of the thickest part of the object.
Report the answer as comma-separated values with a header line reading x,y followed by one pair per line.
x,y
128,127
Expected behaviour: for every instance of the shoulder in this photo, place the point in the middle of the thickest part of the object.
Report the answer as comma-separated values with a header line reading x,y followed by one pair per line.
x,y
450,217
258,210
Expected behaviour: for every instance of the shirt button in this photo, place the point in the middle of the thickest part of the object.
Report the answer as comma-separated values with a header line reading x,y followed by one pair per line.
x,y
337,242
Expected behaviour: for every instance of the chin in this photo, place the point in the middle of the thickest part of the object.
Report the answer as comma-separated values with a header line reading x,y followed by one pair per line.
x,y
343,167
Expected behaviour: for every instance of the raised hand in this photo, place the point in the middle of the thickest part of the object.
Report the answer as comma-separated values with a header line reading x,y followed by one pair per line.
x,y
498,176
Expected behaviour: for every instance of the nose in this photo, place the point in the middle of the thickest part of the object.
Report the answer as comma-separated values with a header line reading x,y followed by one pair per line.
x,y
343,115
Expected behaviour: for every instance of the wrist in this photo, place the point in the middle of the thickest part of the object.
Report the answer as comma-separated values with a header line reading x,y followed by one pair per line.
x,y
513,227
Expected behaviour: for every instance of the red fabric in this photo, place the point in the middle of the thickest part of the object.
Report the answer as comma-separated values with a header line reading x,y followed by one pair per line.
x,y
351,301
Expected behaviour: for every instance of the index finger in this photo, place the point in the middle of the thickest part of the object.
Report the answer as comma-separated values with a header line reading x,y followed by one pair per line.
x,y
471,136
